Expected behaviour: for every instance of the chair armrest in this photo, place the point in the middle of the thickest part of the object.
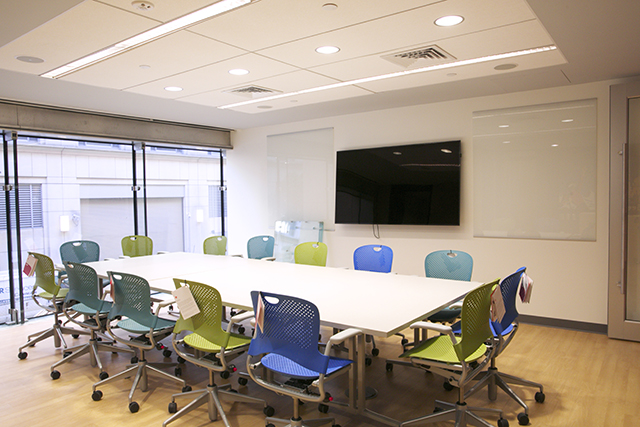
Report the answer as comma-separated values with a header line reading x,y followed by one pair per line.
x,y
239,318
58,267
442,329
341,337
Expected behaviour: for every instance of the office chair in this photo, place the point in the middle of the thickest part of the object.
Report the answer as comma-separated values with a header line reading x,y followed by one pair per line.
x,y
459,359
311,253
131,313
283,356
49,296
207,339
84,297
79,251
504,331
376,258
453,265
259,247
215,245
133,246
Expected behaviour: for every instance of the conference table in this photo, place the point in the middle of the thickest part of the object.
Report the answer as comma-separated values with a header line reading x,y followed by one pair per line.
x,y
377,304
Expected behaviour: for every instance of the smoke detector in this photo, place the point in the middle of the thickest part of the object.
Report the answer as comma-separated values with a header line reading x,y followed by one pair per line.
x,y
142,5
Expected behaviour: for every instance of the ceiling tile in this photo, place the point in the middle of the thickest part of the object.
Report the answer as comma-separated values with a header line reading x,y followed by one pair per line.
x,y
163,10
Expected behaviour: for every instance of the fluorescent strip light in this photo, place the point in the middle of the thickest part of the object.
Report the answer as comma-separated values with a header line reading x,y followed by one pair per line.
x,y
152,34
397,74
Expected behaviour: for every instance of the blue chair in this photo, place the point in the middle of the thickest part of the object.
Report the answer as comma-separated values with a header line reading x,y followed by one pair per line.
x,y
284,356
448,264
259,247
504,330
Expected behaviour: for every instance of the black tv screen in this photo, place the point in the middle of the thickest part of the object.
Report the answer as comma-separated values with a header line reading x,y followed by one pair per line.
x,y
417,184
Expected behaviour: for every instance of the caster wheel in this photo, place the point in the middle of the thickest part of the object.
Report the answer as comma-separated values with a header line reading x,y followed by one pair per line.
x,y
375,352
98,339
389,367
269,411
134,360
181,359
186,388
22,355
447,386
103,375
177,371
55,375
232,313
437,409
323,408
224,375
134,407
159,346
173,407
367,361
503,423
243,381
66,354
523,419
76,336
96,395
404,341
539,397
232,390
166,353
241,330
270,425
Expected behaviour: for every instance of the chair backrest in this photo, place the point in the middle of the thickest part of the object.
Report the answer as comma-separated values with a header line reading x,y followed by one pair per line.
x,y
311,253
377,258
207,323
131,298
84,285
45,274
509,289
215,245
291,329
134,246
475,318
448,264
259,247
79,251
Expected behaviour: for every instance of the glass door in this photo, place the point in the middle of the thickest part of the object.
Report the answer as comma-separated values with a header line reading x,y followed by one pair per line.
x,y
624,269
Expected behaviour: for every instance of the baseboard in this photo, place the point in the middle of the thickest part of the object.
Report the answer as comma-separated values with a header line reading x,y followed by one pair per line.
x,y
565,324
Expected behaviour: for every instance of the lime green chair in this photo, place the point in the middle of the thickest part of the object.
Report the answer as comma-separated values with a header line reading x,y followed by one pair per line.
x,y
311,253
459,358
49,296
133,246
207,338
215,245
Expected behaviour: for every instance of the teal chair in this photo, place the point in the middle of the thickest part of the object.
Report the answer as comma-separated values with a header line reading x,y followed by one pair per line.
x,y
131,314
259,247
134,246
452,265
311,253
206,338
215,245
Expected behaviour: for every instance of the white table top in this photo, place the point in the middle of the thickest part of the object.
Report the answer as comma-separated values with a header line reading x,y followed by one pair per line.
x,y
378,304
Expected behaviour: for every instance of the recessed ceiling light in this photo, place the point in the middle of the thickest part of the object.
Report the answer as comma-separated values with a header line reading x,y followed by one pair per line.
x,y
503,126
503,67
239,72
30,59
567,120
329,6
173,89
449,21
554,145
327,50
506,142
145,66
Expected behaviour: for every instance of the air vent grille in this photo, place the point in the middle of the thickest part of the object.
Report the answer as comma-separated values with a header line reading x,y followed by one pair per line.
x,y
252,91
421,57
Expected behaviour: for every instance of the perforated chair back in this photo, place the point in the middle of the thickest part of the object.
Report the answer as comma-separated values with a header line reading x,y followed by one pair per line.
x,y
259,247
378,258
84,285
291,329
134,246
447,264
45,274
311,253
215,245
79,251
207,323
509,289
131,298
475,327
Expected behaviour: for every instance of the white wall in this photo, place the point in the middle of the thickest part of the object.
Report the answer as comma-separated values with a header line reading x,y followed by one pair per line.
x,y
570,277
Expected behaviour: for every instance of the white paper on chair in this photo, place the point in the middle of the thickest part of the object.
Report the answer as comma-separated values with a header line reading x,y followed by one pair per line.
x,y
497,305
260,313
30,265
526,287
186,303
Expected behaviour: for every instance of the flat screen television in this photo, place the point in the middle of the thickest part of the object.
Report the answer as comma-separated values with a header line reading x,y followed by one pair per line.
x,y
416,184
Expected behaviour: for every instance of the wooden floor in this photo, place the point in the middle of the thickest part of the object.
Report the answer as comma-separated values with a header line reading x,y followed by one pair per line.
x,y
589,380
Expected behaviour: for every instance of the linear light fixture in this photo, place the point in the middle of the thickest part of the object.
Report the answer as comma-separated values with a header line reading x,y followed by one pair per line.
x,y
397,74
147,36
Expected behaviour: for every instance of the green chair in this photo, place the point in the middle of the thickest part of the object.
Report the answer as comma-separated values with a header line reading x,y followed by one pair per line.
x,y
311,253
213,348
131,314
85,298
133,246
215,245
49,296
459,359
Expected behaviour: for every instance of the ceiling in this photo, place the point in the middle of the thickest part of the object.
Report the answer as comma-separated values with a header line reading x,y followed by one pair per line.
x,y
275,40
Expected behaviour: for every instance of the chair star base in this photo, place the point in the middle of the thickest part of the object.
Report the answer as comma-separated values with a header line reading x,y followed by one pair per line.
x,y
56,331
461,413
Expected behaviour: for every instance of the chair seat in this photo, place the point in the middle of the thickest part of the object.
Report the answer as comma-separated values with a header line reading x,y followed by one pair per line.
x,y
48,295
85,309
441,349
199,342
445,315
131,325
456,329
286,366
